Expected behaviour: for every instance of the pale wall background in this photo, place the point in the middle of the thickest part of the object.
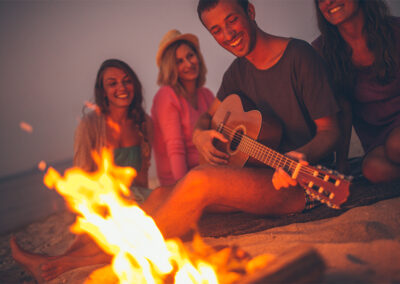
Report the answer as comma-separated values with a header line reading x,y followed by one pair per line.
x,y
50,52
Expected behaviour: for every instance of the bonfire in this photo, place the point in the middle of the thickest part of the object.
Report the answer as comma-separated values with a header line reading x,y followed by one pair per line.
x,y
106,211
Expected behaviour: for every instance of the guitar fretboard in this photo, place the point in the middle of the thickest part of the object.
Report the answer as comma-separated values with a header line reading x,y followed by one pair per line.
x,y
263,153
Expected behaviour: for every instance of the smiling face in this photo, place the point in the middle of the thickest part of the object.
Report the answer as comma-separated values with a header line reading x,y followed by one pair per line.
x,y
231,26
337,12
118,87
187,63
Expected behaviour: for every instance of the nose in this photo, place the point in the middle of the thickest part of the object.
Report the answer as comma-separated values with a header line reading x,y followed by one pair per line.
x,y
229,33
187,63
122,86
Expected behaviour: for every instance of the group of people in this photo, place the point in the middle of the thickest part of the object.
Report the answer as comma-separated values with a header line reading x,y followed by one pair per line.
x,y
350,76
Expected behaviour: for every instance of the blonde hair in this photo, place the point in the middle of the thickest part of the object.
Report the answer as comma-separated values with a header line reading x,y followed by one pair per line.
x,y
168,71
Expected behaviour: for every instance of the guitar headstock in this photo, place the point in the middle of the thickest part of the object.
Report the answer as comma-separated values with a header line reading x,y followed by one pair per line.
x,y
326,185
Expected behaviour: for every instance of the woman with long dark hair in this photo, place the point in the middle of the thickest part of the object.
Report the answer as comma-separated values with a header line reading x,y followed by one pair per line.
x,y
360,42
119,123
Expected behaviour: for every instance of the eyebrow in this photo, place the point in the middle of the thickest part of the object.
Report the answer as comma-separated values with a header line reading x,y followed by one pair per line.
x,y
112,78
228,16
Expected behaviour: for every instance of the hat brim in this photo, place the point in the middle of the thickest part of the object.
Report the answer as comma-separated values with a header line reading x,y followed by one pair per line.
x,y
188,37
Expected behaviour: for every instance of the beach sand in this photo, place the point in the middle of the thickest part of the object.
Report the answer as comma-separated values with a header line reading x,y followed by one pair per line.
x,y
360,246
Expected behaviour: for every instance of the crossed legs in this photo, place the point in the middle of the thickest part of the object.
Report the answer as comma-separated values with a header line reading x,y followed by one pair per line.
x,y
383,163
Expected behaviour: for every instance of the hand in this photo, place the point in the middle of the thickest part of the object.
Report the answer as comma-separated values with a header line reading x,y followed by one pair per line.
x,y
281,178
203,139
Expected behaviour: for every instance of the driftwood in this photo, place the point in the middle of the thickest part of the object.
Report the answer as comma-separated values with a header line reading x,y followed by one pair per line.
x,y
297,265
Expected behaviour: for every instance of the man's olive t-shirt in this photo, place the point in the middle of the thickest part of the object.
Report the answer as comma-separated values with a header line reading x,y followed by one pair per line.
x,y
295,90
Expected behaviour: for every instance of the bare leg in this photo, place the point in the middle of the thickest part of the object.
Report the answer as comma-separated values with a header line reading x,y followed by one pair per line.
x,y
29,261
249,190
43,268
55,267
383,163
156,199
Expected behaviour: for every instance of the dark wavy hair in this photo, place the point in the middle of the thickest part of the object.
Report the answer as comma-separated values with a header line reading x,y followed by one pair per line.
x,y
135,109
204,5
378,27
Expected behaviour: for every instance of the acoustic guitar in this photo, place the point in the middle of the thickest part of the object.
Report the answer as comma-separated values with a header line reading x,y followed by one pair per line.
x,y
246,146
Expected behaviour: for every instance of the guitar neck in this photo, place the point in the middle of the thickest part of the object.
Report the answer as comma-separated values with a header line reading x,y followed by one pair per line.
x,y
263,153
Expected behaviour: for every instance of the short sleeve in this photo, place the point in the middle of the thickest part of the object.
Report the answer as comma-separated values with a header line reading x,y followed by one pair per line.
x,y
229,82
314,87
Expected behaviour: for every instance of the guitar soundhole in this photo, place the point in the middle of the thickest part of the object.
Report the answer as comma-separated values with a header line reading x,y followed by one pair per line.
x,y
237,137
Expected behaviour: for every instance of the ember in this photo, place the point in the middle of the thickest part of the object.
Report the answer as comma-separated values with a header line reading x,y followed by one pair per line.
x,y
122,229
26,127
42,165
92,106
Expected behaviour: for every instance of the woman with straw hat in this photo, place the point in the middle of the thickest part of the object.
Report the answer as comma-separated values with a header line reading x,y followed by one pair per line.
x,y
178,104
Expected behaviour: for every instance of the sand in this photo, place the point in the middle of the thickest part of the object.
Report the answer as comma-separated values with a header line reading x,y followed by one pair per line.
x,y
360,246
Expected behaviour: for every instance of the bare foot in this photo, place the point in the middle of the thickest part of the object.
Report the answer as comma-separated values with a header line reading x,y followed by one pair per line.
x,y
55,267
29,261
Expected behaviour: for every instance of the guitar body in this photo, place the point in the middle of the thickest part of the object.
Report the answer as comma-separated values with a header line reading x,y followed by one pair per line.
x,y
266,130
252,139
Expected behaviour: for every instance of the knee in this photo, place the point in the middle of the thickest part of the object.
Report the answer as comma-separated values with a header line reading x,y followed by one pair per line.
x,y
198,177
373,170
392,149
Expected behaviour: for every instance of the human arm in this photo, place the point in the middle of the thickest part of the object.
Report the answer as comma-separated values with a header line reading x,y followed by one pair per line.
x,y
83,146
324,142
203,137
344,118
168,114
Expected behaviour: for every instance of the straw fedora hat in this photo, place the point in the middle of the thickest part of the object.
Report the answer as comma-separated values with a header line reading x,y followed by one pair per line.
x,y
171,37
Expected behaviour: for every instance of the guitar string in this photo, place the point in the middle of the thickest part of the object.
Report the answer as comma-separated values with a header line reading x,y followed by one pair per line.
x,y
248,144
275,158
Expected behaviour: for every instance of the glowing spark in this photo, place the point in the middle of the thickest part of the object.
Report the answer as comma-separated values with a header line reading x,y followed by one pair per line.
x,y
26,127
42,165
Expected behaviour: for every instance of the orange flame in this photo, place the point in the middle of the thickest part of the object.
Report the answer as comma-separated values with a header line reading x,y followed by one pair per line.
x,y
122,229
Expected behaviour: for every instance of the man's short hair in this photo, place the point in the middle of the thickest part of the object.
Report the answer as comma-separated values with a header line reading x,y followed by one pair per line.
x,y
204,5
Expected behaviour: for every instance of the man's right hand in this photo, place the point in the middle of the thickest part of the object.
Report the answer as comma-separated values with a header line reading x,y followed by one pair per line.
x,y
203,140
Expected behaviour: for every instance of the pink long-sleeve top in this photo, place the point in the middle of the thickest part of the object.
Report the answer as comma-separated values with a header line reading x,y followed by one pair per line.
x,y
174,120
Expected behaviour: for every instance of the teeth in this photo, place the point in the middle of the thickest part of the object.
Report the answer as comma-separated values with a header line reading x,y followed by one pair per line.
x,y
236,42
334,10
122,96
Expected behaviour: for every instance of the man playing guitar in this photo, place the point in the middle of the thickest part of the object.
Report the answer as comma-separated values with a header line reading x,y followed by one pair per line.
x,y
284,78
